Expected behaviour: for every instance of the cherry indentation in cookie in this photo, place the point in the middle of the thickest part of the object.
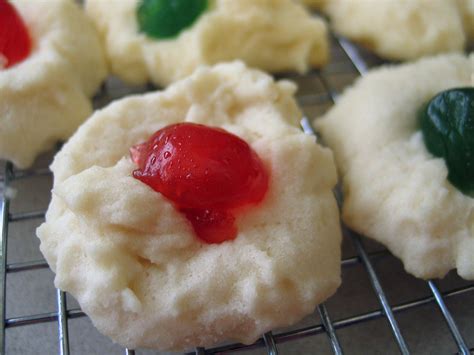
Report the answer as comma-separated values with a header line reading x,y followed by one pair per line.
x,y
206,172
15,42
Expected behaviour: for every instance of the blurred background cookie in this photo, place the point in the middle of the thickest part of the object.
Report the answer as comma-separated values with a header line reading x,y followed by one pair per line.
x,y
402,29
51,64
151,40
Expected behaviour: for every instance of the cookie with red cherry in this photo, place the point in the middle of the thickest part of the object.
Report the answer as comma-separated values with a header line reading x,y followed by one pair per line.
x,y
195,215
51,63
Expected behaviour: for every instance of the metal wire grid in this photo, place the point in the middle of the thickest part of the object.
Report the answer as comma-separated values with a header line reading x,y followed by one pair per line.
x,y
269,340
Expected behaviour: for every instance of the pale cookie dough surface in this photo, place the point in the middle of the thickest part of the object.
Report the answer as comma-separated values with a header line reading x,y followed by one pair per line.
x,y
395,191
273,35
404,29
134,263
46,97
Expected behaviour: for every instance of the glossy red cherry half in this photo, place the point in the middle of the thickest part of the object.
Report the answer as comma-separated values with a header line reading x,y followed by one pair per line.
x,y
206,172
15,42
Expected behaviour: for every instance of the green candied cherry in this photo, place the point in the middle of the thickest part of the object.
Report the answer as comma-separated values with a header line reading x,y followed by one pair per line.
x,y
162,19
447,123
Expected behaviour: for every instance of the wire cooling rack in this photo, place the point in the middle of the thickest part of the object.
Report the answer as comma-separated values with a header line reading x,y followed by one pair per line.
x,y
318,91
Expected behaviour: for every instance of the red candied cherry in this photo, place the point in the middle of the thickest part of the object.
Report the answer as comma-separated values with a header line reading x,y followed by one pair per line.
x,y
15,42
206,172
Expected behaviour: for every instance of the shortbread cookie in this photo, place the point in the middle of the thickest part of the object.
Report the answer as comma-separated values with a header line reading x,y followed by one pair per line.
x,y
44,96
395,190
133,261
273,35
404,29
